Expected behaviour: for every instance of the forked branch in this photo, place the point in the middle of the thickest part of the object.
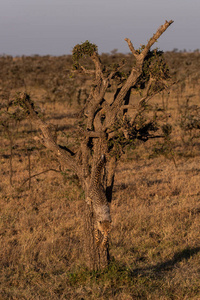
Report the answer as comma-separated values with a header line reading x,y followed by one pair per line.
x,y
134,75
134,52
47,138
155,37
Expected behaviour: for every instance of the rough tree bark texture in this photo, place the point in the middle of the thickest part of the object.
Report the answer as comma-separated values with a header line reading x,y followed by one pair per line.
x,y
96,137
97,258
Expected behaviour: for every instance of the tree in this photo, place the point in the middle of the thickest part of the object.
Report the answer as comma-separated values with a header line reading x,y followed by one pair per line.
x,y
105,130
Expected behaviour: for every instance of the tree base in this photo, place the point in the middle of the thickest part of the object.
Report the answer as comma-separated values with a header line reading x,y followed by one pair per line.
x,y
96,258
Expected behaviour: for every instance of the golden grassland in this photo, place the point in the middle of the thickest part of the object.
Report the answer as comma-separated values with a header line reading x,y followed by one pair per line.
x,y
154,242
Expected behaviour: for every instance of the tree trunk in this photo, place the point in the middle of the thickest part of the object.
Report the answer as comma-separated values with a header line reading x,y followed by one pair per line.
x,y
98,140
96,258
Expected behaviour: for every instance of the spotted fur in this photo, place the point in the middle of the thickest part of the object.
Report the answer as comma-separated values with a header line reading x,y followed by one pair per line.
x,y
104,228
101,208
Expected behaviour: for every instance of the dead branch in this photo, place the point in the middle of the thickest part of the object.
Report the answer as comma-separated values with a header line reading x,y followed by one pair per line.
x,y
134,75
143,101
112,74
98,66
155,37
90,72
47,138
97,97
134,52
35,175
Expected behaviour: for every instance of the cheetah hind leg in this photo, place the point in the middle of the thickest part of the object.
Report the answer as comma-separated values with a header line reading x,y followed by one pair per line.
x,y
104,242
96,236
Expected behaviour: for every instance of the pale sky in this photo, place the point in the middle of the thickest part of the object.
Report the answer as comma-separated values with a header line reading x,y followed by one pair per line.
x,y
54,27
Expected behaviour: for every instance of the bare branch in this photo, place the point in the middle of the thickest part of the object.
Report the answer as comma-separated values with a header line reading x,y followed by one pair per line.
x,y
134,75
87,71
48,139
97,97
121,65
145,100
98,66
134,52
115,107
97,92
35,175
96,134
155,37
151,80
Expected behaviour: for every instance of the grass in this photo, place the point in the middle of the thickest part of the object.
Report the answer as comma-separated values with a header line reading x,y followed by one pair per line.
x,y
154,240
154,243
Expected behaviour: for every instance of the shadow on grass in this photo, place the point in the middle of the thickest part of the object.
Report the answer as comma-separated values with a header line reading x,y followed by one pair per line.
x,y
119,276
169,264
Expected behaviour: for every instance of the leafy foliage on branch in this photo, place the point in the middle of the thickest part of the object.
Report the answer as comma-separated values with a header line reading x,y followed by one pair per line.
x,y
82,50
156,68
155,65
127,133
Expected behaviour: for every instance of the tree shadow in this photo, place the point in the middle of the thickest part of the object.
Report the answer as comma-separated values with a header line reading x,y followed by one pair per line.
x,y
168,265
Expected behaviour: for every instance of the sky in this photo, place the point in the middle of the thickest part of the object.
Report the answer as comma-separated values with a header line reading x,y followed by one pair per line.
x,y
54,27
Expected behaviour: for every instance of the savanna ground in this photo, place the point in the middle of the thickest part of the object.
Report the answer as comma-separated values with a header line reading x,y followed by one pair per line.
x,y
155,241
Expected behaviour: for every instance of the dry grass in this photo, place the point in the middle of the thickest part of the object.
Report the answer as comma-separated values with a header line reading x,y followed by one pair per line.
x,y
155,210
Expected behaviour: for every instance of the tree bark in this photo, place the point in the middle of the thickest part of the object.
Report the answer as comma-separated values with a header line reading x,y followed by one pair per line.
x,y
99,131
96,258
